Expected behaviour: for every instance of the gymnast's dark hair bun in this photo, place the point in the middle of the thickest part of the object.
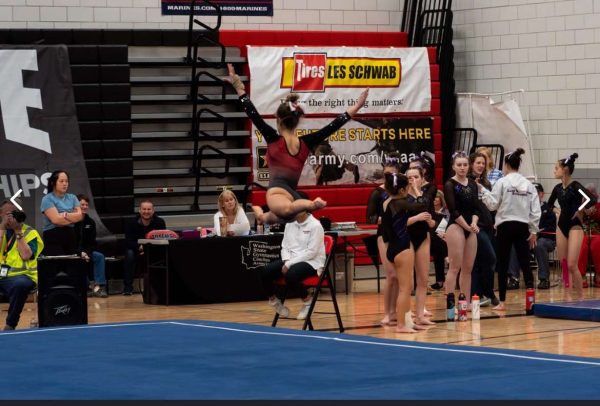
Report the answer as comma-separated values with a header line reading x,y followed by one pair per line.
x,y
289,112
514,158
569,162
394,182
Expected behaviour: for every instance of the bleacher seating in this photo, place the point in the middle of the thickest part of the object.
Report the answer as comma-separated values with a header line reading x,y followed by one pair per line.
x,y
132,91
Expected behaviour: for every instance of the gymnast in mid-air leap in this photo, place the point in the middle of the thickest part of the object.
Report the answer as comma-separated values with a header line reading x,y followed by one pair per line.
x,y
286,152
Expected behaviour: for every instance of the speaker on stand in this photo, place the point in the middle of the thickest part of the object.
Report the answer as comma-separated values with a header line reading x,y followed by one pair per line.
x,y
62,291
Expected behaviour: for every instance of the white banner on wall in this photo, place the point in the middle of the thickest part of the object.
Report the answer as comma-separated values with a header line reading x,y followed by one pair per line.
x,y
497,122
329,80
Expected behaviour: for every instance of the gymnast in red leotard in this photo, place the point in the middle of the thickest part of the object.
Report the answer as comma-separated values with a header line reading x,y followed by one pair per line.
x,y
286,153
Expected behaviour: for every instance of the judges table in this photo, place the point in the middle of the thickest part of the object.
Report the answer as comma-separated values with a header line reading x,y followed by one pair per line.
x,y
207,270
216,269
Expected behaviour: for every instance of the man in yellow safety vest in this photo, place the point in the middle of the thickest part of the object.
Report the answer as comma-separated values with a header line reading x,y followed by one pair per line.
x,y
20,246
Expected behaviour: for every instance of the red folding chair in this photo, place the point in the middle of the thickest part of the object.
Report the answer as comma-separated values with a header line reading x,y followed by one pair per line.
x,y
320,282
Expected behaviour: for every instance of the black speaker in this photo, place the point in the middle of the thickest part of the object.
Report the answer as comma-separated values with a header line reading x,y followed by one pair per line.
x,y
62,291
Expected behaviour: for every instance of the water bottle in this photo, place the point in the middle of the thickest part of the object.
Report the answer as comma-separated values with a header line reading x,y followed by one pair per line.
x,y
450,306
33,323
529,300
475,308
267,228
462,307
260,229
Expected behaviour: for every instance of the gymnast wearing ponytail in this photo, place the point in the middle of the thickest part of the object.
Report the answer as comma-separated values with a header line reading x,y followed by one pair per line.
x,y
286,153
420,238
461,235
517,220
374,216
395,220
569,233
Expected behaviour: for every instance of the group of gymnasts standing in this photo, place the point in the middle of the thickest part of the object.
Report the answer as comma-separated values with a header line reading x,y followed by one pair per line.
x,y
487,213
486,217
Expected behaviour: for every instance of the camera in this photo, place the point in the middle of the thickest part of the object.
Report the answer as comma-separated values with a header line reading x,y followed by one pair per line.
x,y
19,216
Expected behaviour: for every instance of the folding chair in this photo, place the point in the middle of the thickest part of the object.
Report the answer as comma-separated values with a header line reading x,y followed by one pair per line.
x,y
464,139
320,282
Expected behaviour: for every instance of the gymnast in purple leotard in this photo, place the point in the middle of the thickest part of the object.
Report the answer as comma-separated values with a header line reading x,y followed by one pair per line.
x,y
396,219
286,153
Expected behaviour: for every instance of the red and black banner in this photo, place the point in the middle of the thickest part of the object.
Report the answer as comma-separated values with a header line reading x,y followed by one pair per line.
x,y
228,7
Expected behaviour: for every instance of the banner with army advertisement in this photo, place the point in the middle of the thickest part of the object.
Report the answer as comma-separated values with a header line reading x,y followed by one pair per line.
x,y
355,153
329,80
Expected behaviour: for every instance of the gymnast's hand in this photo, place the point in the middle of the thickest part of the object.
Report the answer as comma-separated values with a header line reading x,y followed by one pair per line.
x,y
424,216
415,191
532,240
352,110
235,80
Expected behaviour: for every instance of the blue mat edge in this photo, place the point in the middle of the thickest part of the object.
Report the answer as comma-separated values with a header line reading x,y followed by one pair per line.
x,y
562,310
342,336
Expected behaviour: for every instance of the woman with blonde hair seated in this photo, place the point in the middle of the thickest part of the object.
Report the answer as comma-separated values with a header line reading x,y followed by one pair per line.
x,y
493,173
230,208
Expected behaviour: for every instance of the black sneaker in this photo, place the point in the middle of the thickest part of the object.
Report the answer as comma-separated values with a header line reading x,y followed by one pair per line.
x,y
127,292
512,284
100,292
437,286
544,284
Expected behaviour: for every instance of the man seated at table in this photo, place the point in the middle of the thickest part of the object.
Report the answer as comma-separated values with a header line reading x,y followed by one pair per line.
x,y
136,229
302,256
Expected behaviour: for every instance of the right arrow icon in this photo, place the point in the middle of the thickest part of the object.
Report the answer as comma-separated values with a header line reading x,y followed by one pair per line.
x,y
586,197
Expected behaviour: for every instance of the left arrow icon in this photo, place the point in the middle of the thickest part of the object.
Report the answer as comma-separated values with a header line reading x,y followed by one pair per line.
x,y
12,200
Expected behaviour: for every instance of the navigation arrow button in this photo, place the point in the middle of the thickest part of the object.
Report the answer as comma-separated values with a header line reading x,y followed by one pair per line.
x,y
12,200
586,197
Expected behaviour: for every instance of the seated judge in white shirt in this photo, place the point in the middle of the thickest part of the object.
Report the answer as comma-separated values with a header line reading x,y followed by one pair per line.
x,y
302,256
229,207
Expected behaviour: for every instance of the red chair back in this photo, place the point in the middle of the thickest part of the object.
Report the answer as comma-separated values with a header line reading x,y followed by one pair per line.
x,y
328,244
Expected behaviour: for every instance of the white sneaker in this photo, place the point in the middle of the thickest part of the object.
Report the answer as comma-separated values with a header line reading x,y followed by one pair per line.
x,y
485,301
279,308
304,311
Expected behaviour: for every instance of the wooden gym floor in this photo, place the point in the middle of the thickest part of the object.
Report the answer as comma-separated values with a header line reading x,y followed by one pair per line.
x,y
361,312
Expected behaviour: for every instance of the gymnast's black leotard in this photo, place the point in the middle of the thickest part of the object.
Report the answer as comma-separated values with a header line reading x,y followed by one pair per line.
x,y
569,200
462,201
395,220
284,168
418,231
375,208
